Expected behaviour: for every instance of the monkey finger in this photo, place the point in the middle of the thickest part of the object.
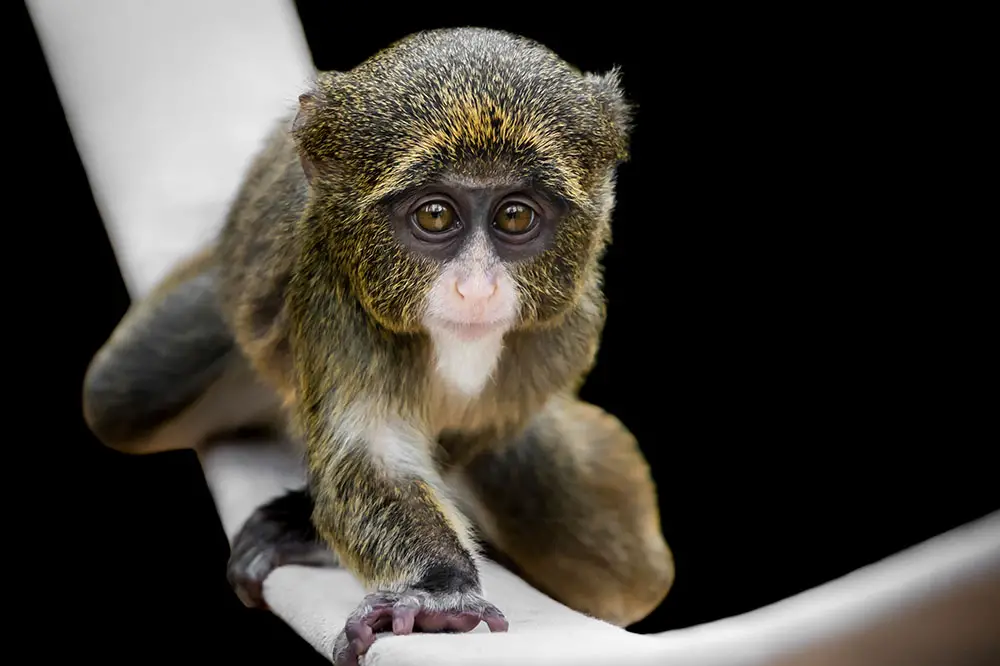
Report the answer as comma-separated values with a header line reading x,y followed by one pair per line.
x,y
403,619
362,627
463,623
359,635
346,652
433,622
495,619
452,622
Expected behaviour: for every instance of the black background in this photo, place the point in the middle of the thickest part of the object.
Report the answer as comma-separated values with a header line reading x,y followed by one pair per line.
x,y
792,336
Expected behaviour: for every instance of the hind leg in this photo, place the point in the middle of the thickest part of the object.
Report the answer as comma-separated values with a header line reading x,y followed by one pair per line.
x,y
572,504
170,375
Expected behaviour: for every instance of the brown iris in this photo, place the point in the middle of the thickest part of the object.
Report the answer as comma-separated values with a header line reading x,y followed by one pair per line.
x,y
514,218
435,217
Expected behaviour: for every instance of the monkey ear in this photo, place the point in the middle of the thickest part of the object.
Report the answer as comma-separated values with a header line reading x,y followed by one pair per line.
x,y
310,142
617,110
308,104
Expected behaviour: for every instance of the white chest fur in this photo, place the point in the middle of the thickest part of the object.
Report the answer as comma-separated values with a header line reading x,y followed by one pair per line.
x,y
467,365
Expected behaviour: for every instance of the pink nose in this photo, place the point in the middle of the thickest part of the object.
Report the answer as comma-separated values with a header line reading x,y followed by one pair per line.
x,y
478,288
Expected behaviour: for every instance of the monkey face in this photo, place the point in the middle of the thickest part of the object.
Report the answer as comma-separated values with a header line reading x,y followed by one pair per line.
x,y
465,179
481,239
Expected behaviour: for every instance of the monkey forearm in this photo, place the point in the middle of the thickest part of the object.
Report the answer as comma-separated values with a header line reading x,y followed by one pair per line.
x,y
388,525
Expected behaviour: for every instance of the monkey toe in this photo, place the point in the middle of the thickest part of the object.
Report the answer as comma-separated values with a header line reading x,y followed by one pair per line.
x,y
409,612
277,534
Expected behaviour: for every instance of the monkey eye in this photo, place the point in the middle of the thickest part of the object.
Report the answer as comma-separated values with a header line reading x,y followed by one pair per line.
x,y
515,218
435,217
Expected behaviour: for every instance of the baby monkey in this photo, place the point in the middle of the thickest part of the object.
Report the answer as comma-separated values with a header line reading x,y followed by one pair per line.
x,y
409,283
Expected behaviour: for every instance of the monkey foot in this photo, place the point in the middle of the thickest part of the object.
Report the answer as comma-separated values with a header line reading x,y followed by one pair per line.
x,y
412,611
278,533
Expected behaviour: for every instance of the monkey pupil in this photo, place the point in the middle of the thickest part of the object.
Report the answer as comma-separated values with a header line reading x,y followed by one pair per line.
x,y
516,219
434,217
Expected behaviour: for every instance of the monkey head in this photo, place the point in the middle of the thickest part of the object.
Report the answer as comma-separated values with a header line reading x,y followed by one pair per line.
x,y
463,180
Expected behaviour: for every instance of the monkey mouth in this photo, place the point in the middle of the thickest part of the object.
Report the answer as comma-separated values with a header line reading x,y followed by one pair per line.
x,y
468,330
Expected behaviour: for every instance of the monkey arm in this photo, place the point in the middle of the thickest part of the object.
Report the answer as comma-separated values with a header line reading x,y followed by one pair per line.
x,y
385,515
379,502
383,512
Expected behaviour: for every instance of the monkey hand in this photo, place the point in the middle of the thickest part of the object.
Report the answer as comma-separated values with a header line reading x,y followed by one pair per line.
x,y
409,611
